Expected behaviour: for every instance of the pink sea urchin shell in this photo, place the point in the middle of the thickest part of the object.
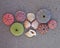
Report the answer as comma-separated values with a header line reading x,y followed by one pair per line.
x,y
20,16
52,24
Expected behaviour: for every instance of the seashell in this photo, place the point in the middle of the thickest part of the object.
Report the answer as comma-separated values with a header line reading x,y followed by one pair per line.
x,y
27,24
30,16
30,33
35,24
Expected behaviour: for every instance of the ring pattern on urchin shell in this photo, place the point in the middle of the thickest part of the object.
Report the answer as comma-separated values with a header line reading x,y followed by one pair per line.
x,y
17,29
43,15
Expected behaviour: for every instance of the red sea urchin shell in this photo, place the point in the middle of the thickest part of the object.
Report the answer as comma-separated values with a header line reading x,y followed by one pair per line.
x,y
8,19
43,28
20,16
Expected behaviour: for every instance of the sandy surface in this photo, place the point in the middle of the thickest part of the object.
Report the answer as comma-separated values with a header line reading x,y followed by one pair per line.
x,y
49,40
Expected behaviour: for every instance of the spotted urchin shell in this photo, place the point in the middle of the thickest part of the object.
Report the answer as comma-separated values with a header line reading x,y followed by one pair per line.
x,y
42,28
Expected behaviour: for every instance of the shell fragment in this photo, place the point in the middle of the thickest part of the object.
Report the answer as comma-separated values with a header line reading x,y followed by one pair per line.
x,y
30,33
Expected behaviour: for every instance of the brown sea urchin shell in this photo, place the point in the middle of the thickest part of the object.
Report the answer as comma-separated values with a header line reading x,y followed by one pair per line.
x,y
43,28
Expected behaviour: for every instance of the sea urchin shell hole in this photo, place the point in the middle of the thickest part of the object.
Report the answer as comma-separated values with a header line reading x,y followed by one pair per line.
x,y
16,29
43,16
